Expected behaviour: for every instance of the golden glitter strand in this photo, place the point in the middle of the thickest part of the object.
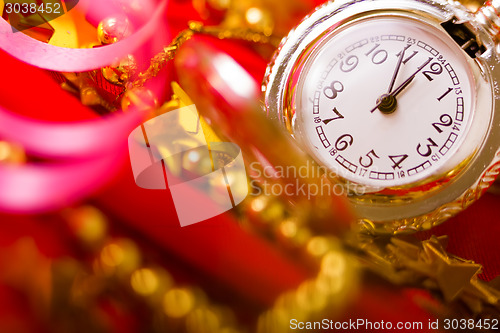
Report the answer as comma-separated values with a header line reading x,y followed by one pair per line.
x,y
159,61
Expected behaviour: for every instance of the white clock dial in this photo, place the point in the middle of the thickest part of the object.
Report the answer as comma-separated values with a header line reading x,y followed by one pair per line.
x,y
385,102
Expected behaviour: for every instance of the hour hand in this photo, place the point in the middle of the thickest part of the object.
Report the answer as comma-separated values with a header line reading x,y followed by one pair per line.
x,y
398,66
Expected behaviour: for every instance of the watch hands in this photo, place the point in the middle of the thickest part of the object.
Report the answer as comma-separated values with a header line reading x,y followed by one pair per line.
x,y
398,66
387,102
408,80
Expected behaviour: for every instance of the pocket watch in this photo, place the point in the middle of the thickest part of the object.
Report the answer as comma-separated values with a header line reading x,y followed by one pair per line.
x,y
397,100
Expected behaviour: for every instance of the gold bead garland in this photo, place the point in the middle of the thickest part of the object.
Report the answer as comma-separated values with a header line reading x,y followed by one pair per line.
x,y
337,280
118,264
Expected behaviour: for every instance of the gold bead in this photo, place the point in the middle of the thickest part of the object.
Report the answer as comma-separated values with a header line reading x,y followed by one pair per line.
x,y
204,320
258,204
144,281
260,20
265,211
151,282
122,72
288,229
141,98
195,25
178,302
120,256
274,211
112,255
11,153
310,298
88,223
275,320
317,246
197,162
254,15
334,274
113,29
89,96
333,264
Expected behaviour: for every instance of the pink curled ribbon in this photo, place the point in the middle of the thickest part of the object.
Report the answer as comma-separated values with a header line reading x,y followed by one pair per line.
x,y
82,155
62,59
81,140
39,188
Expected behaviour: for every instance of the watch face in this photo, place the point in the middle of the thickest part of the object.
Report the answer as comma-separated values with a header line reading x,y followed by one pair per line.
x,y
385,101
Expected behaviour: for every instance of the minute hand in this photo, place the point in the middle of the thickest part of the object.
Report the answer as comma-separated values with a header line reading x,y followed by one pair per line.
x,y
408,80
403,85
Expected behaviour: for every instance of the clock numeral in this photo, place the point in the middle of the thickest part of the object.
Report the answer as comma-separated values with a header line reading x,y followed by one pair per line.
x,y
441,59
429,148
333,89
343,142
405,60
445,121
378,56
349,64
409,57
338,116
370,159
444,95
397,160
436,69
